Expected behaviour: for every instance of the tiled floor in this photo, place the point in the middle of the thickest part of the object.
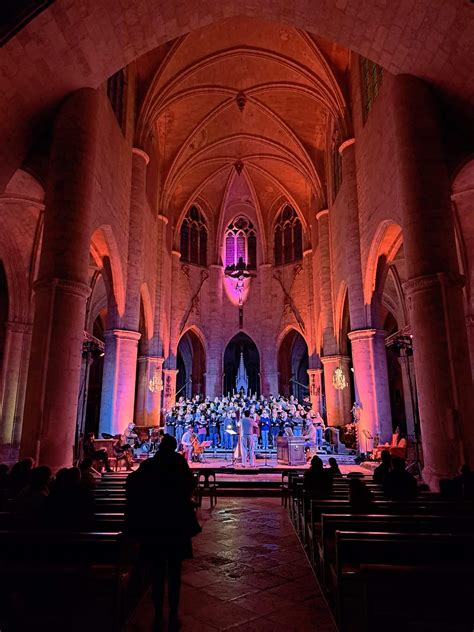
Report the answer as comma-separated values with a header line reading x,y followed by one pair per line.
x,y
248,574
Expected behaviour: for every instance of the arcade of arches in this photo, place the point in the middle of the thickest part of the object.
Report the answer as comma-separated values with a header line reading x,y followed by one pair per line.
x,y
139,171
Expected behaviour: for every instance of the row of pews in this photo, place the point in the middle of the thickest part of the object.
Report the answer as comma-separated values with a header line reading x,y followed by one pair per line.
x,y
87,577
406,565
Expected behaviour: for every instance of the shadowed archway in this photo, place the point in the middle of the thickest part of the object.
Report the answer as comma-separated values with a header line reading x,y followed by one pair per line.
x,y
241,343
293,366
191,364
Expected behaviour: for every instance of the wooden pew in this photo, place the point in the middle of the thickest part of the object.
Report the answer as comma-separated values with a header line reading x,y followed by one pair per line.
x,y
368,523
355,551
54,571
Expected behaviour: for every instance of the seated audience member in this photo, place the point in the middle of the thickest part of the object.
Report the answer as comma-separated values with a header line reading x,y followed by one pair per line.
x,y
88,474
384,468
97,455
398,483
360,497
31,500
317,480
465,482
19,476
334,467
68,503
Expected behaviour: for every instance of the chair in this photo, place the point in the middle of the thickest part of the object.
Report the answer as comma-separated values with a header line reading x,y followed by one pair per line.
x,y
208,484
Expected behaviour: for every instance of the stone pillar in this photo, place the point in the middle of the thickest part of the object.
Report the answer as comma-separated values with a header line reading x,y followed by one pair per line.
x,y
160,343
169,388
215,343
369,358
470,338
118,382
149,389
409,390
62,287
338,400
316,389
352,236
434,286
15,366
121,342
328,341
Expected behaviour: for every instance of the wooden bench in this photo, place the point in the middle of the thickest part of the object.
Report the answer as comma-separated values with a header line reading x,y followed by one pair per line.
x,y
355,551
64,575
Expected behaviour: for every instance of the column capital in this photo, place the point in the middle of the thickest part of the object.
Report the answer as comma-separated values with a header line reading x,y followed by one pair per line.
x,y
151,358
18,328
347,143
332,359
322,213
171,371
162,218
176,253
307,252
314,371
429,281
76,288
123,334
136,151
365,334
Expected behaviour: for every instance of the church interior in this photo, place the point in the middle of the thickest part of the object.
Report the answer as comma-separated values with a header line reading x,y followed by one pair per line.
x,y
218,215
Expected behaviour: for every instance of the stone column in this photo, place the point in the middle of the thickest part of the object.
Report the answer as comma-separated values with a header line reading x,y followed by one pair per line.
x,y
121,342
316,389
149,389
338,400
369,357
215,341
15,366
326,309
62,288
408,381
169,388
352,236
434,286
118,383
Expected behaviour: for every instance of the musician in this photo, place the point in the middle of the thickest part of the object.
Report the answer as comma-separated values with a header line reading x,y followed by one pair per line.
x,y
274,426
201,428
97,455
130,435
123,451
187,441
170,422
320,427
247,444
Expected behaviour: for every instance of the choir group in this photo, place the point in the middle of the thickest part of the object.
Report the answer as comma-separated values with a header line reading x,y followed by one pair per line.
x,y
217,421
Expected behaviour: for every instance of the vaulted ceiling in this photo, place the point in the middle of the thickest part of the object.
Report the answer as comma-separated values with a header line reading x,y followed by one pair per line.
x,y
247,99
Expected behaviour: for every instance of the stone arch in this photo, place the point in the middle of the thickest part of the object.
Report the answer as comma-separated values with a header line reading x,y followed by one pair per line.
x,y
293,364
104,247
341,306
385,246
191,362
241,341
146,306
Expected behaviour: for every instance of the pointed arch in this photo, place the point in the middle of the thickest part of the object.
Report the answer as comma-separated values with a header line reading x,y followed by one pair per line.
x,y
104,244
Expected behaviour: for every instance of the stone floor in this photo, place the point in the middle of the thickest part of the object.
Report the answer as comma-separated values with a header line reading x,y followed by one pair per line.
x,y
249,574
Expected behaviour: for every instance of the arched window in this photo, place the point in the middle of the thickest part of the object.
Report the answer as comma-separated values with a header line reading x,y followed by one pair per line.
x,y
288,237
241,241
193,242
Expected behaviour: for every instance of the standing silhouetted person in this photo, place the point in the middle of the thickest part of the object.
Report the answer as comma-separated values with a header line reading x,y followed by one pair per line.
x,y
334,466
384,468
398,483
160,515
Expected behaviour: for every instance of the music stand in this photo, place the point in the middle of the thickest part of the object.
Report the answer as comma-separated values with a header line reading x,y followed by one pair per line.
x,y
232,433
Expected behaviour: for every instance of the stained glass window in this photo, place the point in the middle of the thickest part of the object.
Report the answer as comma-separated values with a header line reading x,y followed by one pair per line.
x,y
241,241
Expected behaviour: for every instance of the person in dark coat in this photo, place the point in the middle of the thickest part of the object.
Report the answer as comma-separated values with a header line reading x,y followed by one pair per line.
x,y
399,484
159,514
